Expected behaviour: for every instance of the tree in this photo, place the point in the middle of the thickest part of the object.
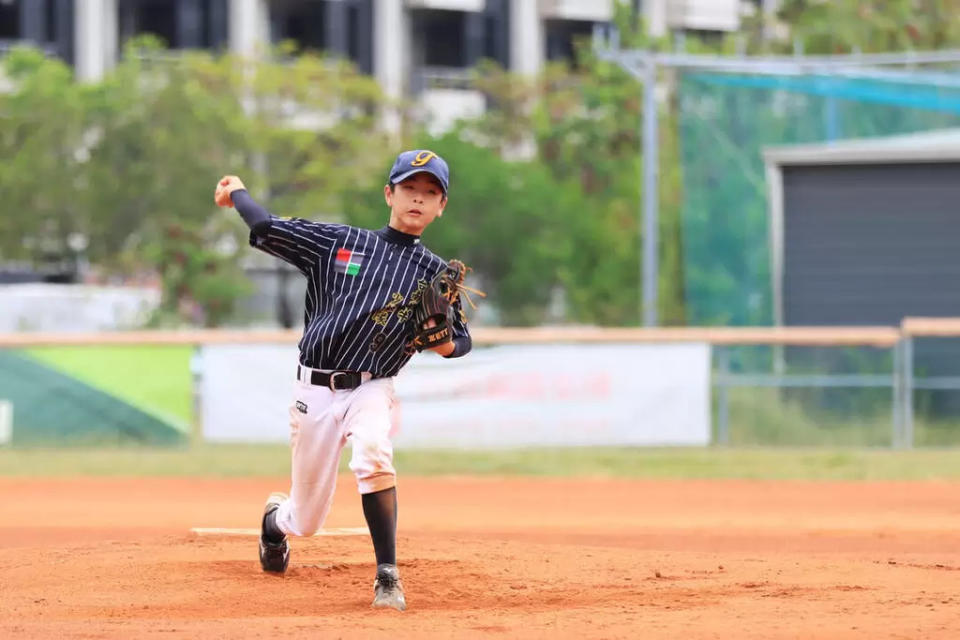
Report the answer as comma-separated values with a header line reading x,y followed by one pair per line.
x,y
506,220
129,163
162,131
846,26
583,120
315,131
42,142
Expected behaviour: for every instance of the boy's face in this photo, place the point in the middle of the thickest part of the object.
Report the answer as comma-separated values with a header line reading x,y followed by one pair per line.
x,y
415,203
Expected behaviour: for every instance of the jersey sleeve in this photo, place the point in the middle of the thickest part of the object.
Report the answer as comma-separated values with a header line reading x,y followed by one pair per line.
x,y
302,243
462,341
459,320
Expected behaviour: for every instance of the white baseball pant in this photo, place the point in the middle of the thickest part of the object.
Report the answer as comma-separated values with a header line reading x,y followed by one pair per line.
x,y
321,423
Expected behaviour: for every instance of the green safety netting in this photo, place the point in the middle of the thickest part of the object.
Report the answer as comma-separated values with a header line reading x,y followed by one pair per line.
x,y
727,119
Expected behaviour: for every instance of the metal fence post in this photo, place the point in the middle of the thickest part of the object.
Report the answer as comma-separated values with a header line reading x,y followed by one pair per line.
x,y
907,402
723,408
651,167
196,383
896,439
6,422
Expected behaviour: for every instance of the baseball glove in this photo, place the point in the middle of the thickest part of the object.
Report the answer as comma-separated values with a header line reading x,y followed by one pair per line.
x,y
437,303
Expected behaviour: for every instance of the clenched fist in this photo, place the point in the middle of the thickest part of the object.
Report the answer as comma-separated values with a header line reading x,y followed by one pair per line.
x,y
226,186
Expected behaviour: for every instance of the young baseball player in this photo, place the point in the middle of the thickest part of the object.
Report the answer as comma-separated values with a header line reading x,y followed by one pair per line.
x,y
362,288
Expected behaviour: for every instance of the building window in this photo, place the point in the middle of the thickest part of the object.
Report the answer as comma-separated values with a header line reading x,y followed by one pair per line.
x,y
438,38
50,21
338,27
148,16
353,28
360,34
10,20
47,23
562,37
181,24
302,22
496,36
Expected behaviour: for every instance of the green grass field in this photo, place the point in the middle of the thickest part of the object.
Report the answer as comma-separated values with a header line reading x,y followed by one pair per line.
x,y
768,418
273,460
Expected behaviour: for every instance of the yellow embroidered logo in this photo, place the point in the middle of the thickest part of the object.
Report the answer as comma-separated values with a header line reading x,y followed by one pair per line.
x,y
423,158
404,311
382,315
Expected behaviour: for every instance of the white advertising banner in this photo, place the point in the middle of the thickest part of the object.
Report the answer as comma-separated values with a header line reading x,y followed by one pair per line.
x,y
504,396
246,391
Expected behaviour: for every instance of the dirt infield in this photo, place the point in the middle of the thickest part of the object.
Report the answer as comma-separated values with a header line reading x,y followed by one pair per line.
x,y
514,558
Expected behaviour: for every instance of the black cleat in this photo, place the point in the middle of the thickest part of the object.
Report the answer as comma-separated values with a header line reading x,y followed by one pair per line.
x,y
387,589
274,556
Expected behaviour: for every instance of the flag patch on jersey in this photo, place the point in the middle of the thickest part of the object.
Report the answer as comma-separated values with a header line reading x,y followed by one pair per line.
x,y
348,262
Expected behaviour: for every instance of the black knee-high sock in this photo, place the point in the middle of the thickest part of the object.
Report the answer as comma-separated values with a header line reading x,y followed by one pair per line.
x,y
270,529
380,510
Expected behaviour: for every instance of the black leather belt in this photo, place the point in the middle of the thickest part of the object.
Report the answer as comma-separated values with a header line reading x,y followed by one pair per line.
x,y
336,380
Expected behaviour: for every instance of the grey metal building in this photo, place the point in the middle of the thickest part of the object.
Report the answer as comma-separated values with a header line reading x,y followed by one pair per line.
x,y
863,232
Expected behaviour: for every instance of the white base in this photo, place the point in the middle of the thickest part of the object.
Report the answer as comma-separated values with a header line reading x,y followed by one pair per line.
x,y
217,531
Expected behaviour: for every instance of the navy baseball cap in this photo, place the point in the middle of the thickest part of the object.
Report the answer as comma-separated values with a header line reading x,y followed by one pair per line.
x,y
417,161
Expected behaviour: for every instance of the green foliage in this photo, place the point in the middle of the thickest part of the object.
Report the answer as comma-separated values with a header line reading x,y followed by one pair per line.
x,y
775,417
315,132
165,132
41,142
130,163
587,128
553,195
509,221
845,26
582,123
200,281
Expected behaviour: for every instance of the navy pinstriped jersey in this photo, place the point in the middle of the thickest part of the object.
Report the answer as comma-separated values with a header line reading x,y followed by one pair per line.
x,y
362,286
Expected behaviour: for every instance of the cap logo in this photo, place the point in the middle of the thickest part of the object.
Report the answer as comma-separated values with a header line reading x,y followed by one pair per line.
x,y
423,158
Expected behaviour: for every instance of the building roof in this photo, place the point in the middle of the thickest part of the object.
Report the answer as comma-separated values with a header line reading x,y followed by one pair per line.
x,y
942,145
